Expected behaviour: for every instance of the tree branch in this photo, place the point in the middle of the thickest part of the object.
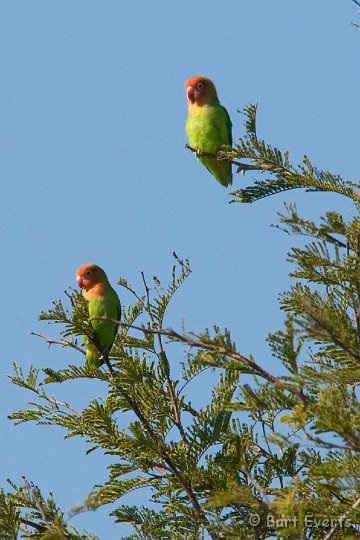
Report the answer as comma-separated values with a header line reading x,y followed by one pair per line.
x,y
246,362
37,526
241,167
200,514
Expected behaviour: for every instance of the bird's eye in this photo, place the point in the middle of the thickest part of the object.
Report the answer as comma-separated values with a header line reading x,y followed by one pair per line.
x,y
200,86
87,273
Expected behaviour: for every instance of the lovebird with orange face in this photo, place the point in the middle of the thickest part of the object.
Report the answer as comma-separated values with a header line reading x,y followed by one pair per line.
x,y
208,126
102,302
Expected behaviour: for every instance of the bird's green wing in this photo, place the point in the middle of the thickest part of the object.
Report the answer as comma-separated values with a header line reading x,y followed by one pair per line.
x,y
228,124
107,306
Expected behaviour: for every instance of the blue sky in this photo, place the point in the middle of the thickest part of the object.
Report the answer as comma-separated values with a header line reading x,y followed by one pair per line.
x,y
93,168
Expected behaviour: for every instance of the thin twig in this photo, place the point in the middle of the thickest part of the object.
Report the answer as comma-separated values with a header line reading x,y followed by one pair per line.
x,y
63,404
62,342
329,445
187,407
266,439
147,294
66,343
341,519
24,528
357,285
38,503
193,377
258,488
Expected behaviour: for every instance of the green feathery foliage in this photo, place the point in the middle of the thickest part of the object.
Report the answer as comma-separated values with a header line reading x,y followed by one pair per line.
x,y
275,449
279,451
283,175
25,510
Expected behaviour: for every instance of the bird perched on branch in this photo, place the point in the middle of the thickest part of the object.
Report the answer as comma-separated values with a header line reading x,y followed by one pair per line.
x,y
102,302
208,126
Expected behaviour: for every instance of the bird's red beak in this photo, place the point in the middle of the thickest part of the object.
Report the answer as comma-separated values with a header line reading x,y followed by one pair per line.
x,y
80,281
190,90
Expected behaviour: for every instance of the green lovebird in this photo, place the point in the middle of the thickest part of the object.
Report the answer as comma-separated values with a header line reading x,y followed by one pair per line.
x,y
208,126
103,302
